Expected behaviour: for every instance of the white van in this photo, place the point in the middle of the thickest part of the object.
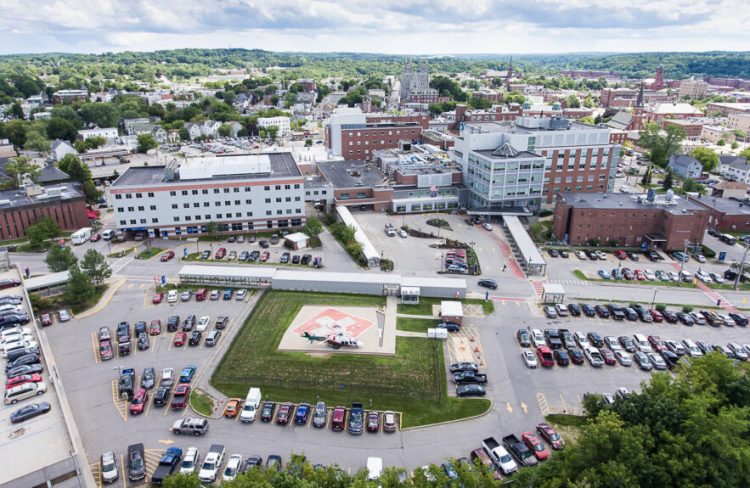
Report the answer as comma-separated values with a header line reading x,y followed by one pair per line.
x,y
108,234
22,392
80,236
251,406
172,296
374,468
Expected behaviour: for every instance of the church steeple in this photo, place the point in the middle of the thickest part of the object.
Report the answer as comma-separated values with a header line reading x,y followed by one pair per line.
x,y
639,100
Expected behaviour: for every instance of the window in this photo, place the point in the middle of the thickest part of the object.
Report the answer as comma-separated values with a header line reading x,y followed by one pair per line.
x,y
118,197
185,205
278,199
123,222
218,204
128,196
269,224
216,190
207,216
195,192
296,186
132,221
226,190
188,218
278,187
154,221
268,212
238,214
152,207
184,192
236,190
141,208
172,193
176,219
120,209
204,191
150,194
288,199
249,202
249,214
296,199
219,216
130,209
227,202
174,205
287,187
266,188
268,200
236,202
247,188
289,210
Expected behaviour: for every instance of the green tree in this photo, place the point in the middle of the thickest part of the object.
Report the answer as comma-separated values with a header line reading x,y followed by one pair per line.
x,y
91,192
661,144
273,131
573,101
102,114
59,128
646,180
721,142
43,229
668,181
60,258
178,480
308,142
16,111
146,142
75,168
36,140
20,166
735,145
690,185
707,157
15,131
95,266
312,227
745,153
80,288
225,130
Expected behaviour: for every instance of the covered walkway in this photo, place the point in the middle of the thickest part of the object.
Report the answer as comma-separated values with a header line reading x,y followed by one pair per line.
x,y
523,247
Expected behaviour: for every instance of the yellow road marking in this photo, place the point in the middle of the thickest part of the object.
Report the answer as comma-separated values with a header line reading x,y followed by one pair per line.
x,y
123,472
118,402
543,405
94,345
166,441
509,407
524,407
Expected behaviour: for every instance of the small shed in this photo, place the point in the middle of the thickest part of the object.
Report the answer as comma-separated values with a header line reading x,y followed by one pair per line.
x,y
410,295
452,311
553,293
296,241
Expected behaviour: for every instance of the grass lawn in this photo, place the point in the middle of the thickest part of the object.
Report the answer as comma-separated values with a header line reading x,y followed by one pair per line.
x,y
201,403
149,253
412,382
120,254
414,325
424,307
42,304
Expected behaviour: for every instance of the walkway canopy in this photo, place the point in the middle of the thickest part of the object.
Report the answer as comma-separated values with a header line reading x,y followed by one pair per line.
x,y
371,254
531,259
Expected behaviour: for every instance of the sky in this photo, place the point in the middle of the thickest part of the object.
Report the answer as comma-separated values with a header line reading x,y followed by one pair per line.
x,y
376,26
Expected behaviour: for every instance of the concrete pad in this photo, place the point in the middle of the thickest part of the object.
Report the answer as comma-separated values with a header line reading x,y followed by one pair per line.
x,y
367,325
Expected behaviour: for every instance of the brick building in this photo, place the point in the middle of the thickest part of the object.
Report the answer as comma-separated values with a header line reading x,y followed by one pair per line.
x,y
628,220
692,127
63,203
726,214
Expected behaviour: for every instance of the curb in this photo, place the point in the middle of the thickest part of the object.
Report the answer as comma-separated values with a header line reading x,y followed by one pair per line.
x,y
104,301
190,402
447,422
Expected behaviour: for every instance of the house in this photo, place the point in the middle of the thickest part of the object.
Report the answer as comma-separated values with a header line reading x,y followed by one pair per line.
x,y
107,133
60,148
6,149
685,166
193,130
234,128
208,129
159,134
734,168
730,189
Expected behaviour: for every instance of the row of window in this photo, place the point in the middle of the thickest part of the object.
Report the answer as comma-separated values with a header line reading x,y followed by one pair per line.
x,y
236,227
382,132
173,193
189,218
207,204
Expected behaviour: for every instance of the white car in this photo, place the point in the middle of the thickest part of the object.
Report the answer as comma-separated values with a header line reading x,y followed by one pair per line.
x,y
12,346
63,315
537,338
601,255
240,295
487,226
529,358
189,462
700,258
402,233
728,321
692,348
15,330
703,276
203,323
167,377
11,338
674,276
612,343
581,255
716,277
650,276
108,467
562,310
233,467
172,296
581,339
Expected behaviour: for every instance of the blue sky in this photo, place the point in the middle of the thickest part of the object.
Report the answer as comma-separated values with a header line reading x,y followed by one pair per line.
x,y
385,26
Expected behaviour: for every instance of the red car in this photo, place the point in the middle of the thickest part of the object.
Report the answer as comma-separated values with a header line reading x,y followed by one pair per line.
x,y
95,237
139,401
181,396
167,256
657,343
220,253
180,338
158,297
549,435
537,447
264,257
373,422
608,356
105,350
639,275
656,315
155,327
620,254
283,414
23,379
545,356
46,319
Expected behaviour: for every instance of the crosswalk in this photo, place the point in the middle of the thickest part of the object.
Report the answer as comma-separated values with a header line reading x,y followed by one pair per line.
x,y
538,286
572,282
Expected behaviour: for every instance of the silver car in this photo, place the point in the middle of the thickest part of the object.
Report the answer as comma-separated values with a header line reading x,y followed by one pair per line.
x,y
108,466
623,357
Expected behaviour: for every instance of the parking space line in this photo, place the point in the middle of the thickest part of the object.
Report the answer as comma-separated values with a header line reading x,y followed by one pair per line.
x,y
95,348
124,473
564,405
543,405
118,403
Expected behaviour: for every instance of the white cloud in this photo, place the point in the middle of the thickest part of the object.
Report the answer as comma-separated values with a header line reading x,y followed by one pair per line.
x,y
392,26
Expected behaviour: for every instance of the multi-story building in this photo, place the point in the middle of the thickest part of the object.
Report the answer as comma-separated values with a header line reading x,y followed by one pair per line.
x,y
716,133
67,96
660,112
726,214
620,219
734,168
500,161
63,203
240,193
693,89
739,122
415,85
692,127
729,108
283,123
106,133
354,135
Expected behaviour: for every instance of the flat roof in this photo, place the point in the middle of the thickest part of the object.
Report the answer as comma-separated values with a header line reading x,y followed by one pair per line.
x,y
219,168
47,280
526,246
451,308
332,276
228,271
351,174
44,440
678,204
430,282
53,193
728,206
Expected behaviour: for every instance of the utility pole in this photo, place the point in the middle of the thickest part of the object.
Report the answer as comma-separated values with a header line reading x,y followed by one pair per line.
x,y
742,267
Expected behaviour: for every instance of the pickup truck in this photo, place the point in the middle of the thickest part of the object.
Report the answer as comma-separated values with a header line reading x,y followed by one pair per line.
x,y
127,383
167,465
211,463
499,456
519,450
356,418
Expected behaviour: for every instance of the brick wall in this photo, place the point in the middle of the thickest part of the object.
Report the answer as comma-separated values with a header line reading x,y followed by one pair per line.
x,y
69,215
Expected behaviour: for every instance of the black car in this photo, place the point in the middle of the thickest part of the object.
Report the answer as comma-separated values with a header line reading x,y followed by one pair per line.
x,y
595,339
274,460
567,338
140,327
449,326
491,284
670,358
670,316
284,258
469,377
266,414
730,275
630,314
123,332
576,355
195,338
173,323
252,462
27,359
24,369
574,309
588,310
561,357
705,347
553,253
136,462
189,323
524,340
29,412
143,342
633,256
685,319
552,336
617,312
253,256
161,397
602,311
470,390
17,353
739,319
264,244
464,366
627,343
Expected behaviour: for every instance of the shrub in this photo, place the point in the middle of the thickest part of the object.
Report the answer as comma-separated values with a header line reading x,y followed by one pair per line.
x,y
687,308
661,307
545,213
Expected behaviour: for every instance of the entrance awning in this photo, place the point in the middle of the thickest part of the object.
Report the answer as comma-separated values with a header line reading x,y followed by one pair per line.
x,y
655,237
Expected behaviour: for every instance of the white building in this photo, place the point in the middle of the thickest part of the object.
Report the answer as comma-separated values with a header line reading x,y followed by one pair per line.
x,y
241,193
716,133
734,168
340,117
107,133
739,122
693,88
283,123
60,148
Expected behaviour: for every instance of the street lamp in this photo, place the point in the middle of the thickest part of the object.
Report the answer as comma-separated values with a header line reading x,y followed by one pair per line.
x,y
682,261
653,300
742,267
